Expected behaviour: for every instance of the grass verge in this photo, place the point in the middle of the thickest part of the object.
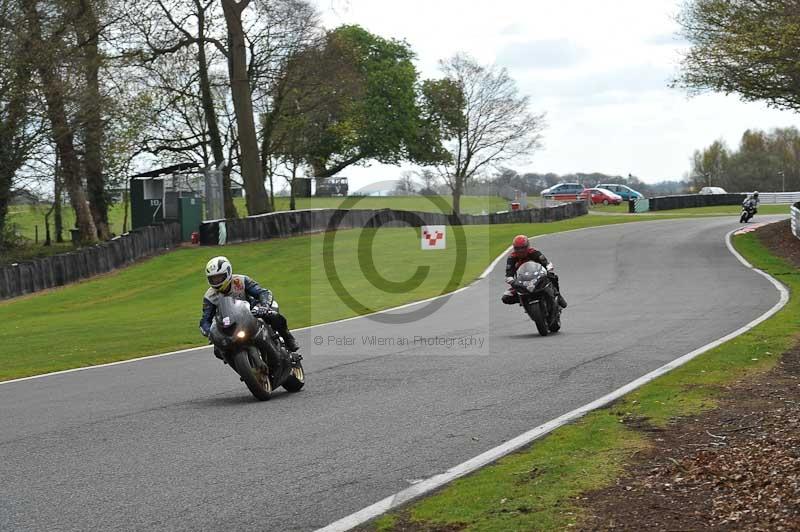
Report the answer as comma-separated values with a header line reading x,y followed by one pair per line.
x,y
537,488
154,306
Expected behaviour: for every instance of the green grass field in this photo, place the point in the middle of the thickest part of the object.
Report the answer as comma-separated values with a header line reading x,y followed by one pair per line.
x,y
536,489
26,218
154,306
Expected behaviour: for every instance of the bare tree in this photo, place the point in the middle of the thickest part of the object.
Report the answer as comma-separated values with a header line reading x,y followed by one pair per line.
x,y
53,87
406,186
492,123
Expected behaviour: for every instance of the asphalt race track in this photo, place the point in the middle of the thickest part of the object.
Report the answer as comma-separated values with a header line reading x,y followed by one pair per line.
x,y
178,443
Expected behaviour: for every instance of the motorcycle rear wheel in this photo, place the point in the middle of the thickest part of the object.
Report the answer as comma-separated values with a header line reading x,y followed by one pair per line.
x,y
536,312
256,380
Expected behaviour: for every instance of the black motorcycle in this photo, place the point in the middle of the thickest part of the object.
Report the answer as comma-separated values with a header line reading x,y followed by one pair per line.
x,y
253,349
537,295
748,211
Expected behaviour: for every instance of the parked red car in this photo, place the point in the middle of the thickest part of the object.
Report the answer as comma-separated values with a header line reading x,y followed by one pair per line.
x,y
606,197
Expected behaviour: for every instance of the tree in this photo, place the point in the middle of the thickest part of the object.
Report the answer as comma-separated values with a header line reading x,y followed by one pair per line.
x,y
86,24
252,174
357,93
15,72
406,186
429,181
709,165
44,56
747,47
490,124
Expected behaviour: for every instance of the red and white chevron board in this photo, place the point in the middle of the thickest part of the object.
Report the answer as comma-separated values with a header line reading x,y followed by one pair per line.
x,y
433,237
750,228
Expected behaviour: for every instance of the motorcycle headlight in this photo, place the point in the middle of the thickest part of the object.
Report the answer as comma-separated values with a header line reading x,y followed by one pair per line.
x,y
241,335
530,285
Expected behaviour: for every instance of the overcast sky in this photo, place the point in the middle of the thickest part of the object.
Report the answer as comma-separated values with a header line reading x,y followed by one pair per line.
x,y
599,69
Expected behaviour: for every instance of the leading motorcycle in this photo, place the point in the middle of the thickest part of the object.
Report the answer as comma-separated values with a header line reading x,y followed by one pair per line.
x,y
537,296
748,211
253,349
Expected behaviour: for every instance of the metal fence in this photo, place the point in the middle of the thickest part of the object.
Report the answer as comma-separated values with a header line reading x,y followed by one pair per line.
x,y
779,198
58,270
291,223
795,209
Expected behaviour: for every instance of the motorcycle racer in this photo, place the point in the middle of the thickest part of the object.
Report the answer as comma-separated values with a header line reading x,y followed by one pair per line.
x,y
223,282
522,253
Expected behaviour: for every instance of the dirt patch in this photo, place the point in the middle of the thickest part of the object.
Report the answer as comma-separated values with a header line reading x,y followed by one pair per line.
x,y
733,468
778,238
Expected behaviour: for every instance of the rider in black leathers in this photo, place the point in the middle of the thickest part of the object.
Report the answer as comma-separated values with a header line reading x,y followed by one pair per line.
x,y
522,253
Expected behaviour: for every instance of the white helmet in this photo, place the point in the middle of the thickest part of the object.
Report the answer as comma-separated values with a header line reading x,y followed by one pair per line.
x,y
219,273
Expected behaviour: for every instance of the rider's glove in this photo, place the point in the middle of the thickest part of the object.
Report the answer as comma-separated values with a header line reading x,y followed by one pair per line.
x,y
509,280
550,267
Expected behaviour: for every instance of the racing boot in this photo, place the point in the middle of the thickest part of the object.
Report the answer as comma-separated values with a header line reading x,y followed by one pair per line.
x,y
289,340
561,301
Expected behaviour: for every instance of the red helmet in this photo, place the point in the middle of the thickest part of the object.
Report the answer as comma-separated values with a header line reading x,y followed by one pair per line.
x,y
521,243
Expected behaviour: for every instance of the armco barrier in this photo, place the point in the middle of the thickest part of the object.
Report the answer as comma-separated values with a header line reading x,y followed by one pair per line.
x,y
58,270
291,223
795,209
686,201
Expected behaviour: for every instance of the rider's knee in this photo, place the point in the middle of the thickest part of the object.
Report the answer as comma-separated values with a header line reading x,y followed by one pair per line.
x,y
509,299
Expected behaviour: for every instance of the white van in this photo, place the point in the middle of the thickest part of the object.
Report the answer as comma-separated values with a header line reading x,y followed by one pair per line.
x,y
712,190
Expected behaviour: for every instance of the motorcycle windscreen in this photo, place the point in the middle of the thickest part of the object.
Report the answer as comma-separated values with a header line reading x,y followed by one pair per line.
x,y
530,271
234,315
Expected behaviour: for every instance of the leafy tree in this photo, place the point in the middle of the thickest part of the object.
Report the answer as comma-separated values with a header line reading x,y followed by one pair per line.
x,y
357,93
747,47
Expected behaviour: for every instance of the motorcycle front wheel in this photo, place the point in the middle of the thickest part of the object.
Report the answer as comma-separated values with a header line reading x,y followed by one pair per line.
x,y
556,325
537,314
256,380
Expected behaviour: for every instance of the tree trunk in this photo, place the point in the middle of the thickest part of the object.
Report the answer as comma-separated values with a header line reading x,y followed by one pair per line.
x,y
125,200
458,190
257,201
210,112
63,136
88,30
58,220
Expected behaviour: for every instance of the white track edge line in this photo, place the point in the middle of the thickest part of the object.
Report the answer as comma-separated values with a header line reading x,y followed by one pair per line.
x,y
483,275
437,481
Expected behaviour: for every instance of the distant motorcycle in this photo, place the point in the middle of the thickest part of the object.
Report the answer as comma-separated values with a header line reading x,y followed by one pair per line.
x,y
537,296
748,211
254,350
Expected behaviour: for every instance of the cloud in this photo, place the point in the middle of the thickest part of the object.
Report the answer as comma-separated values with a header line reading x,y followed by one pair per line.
x,y
543,54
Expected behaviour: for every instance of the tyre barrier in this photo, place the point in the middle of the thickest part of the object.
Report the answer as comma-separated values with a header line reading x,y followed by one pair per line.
x,y
292,223
65,268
